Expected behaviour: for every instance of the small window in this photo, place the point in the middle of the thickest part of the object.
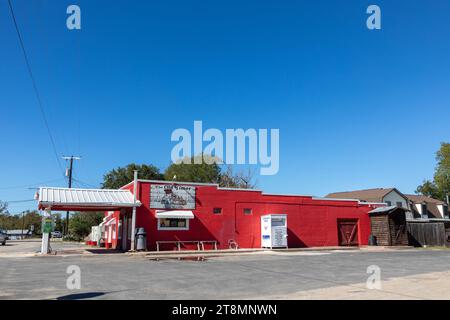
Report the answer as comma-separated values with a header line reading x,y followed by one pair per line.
x,y
445,209
173,224
400,204
389,203
247,211
217,210
424,211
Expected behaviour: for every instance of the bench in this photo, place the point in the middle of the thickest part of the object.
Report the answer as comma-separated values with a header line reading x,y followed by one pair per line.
x,y
178,243
202,244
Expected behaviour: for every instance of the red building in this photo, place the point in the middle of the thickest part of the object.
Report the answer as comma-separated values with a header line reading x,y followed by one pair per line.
x,y
178,211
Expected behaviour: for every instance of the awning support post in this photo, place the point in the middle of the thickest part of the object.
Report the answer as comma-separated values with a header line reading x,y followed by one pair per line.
x,y
45,245
133,218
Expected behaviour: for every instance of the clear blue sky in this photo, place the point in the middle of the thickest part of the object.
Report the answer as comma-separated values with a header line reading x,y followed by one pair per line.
x,y
355,108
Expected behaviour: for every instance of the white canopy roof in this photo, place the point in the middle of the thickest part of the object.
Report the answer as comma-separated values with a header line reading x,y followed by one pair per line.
x,y
174,214
85,198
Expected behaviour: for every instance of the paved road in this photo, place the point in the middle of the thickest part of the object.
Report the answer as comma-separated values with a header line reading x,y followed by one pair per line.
x,y
261,275
21,248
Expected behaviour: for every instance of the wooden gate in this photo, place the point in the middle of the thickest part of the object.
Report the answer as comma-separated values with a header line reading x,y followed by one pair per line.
x,y
348,232
397,226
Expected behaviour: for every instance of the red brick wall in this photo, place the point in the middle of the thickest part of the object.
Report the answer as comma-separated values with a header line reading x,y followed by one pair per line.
x,y
311,223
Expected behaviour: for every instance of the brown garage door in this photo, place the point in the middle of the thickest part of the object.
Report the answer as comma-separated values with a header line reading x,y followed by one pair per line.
x,y
348,232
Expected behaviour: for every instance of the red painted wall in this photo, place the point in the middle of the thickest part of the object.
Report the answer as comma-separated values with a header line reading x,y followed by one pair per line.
x,y
311,222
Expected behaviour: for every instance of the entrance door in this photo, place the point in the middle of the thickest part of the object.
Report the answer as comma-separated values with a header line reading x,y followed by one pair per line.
x,y
124,233
348,232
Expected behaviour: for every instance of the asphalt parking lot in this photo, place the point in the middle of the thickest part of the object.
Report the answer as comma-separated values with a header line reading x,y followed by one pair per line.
x,y
405,274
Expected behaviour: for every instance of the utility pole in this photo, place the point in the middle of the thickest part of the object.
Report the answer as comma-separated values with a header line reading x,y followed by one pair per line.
x,y
69,174
133,217
23,222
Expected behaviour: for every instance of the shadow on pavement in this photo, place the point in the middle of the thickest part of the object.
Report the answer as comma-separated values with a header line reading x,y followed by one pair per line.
x,y
103,251
81,296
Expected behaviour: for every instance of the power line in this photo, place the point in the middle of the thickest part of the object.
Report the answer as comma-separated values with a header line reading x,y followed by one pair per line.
x,y
70,176
30,185
19,201
82,183
36,91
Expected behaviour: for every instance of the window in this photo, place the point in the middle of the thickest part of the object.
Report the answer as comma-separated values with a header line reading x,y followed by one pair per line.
x,y
389,203
278,222
424,211
399,204
445,211
173,224
217,210
247,211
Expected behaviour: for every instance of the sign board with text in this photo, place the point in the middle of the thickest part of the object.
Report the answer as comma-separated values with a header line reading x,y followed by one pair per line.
x,y
172,196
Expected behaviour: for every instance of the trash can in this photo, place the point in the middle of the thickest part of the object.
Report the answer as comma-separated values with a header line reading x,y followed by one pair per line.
x,y
141,239
372,240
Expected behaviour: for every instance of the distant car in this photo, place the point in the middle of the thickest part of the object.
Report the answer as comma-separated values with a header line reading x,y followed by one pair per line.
x,y
3,237
56,234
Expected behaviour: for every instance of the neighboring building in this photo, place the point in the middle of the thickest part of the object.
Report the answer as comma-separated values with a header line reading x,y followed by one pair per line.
x,y
423,207
390,196
428,222
18,234
389,226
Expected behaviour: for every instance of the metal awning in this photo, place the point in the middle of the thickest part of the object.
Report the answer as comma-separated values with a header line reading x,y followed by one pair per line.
x,y
85,199
386,210
174,214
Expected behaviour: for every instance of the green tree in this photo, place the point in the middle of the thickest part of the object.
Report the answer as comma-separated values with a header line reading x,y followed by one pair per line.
x,y
80,223
8,221
28,219
120,176
439,188
21,221
207,171
59,224
429,189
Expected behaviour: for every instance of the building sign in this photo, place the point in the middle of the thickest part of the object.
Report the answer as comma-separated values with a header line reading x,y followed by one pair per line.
x,y
47,224
172,197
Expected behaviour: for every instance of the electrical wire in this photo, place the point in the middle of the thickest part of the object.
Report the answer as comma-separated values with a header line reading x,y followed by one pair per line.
x,y
35,88
81,183
18,201
30,185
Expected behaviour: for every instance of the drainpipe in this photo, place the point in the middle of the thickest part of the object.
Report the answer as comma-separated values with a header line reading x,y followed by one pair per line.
x,y
133,219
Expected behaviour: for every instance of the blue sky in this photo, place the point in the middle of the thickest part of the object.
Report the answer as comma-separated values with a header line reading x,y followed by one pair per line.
x,y
355,108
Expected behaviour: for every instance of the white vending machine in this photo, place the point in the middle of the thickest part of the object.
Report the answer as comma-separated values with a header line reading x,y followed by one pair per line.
x,y
274,231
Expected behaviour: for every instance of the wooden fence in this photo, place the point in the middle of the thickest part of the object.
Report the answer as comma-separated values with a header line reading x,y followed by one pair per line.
x,y
426,234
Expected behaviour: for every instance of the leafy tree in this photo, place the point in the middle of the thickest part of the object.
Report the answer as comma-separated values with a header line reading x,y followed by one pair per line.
x,y
188,170
59,224
21,221
208,170
119,177
429,189
81,222
7,221
30,218
439,188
